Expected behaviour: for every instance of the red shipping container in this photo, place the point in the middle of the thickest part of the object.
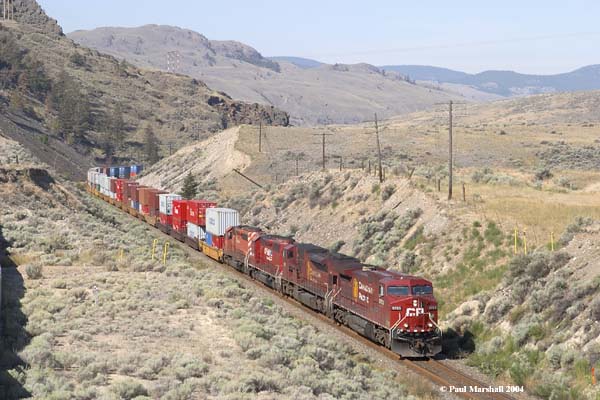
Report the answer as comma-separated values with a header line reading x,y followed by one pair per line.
x,y
129,189
165,219
180,209
145,209
196,211
135,193
218,241
179,224
154,201
113,185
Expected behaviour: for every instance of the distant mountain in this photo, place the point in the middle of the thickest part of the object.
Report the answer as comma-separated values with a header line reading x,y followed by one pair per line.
x,y
506,83
298,61
311,92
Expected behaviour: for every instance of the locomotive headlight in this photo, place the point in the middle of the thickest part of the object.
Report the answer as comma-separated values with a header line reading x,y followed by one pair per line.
x,y
406,325
430,325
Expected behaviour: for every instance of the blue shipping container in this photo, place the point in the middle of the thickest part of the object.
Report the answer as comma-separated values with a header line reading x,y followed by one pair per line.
x,y
124,172
136,169
114,172
208,239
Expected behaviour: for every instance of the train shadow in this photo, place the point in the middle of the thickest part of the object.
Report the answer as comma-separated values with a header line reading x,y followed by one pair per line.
x,y
456,345
13,336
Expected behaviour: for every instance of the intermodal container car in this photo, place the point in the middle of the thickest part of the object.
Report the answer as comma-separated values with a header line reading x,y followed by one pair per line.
x,y
135,170
166,202
165,219
124,172
196,211
195,231
219,219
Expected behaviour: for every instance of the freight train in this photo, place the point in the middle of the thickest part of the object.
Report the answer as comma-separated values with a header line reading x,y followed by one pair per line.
x,y
396,310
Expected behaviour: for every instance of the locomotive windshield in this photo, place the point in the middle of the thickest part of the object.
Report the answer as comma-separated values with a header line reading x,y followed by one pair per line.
x,y
398,291
422,290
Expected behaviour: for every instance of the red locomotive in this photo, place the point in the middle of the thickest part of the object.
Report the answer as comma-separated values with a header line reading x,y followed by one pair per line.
x,y
395,310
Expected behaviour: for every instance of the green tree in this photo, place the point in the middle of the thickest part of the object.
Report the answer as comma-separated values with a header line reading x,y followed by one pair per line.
x,y
189,189
108,148
37,80
116,125
71,106
151,145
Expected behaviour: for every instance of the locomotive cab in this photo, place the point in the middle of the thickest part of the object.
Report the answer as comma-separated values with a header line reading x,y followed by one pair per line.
x,y
413,315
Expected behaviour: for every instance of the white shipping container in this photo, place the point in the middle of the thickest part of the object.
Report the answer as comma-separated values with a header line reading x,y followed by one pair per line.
x,y
219,219
165,203
195,231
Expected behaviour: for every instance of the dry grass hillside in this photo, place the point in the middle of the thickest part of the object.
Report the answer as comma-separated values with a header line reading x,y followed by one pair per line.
x,y
531,317
88,315
514,263
323,95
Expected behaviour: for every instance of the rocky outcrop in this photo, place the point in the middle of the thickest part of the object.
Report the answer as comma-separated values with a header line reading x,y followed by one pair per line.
x,y
29,12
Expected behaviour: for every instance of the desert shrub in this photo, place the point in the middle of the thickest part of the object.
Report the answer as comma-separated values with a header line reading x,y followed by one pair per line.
x,y
336,247
376,188
60,284
492,234
128,389
34,271
574,228
78,294
496,309
410,262
543,174
40,352
387,192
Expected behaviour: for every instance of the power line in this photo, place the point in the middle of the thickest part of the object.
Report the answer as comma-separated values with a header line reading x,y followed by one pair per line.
x,y
455,45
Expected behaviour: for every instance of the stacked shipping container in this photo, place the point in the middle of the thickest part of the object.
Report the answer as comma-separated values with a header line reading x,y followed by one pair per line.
x,y
198,219
166,207
180,215
217,222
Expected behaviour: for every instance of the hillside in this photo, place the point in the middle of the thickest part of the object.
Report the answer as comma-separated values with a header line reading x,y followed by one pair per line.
x,y
506,83
529,166
322,95
55,95
81,322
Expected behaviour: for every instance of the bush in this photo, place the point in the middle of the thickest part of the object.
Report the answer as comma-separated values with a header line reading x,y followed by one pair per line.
x,y
387,192
543,174
336,247
129,389
34,271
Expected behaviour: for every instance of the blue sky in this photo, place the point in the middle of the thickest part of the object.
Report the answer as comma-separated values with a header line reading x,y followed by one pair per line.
x,y
527,36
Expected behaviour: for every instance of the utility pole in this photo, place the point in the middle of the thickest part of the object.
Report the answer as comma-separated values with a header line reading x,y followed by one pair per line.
x,y
260,137
297,170
450,155
323,135
378,150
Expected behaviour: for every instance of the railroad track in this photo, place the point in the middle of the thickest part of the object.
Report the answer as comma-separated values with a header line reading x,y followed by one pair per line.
x,y
433,370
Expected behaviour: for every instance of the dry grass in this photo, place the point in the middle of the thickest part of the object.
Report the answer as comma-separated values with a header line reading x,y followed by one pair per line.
x,y
122,329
